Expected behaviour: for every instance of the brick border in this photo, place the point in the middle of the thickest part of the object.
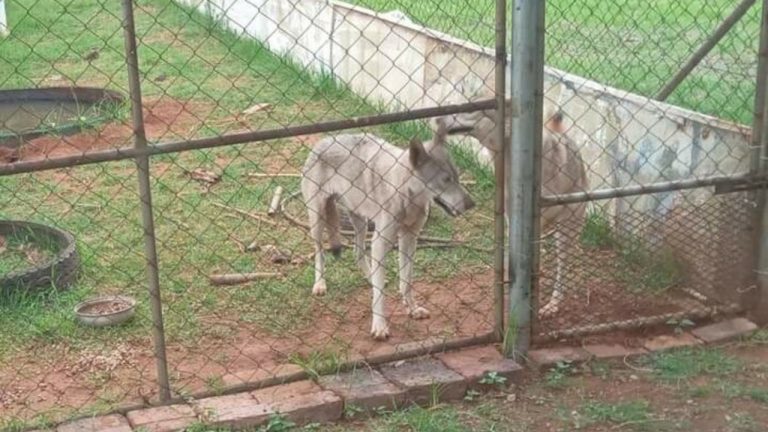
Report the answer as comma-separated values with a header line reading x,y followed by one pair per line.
x,y
709,334
423,381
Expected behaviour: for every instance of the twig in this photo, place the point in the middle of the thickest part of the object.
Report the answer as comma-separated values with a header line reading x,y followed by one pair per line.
x,y
238,278
240,245
633,422
268,175
295,221
255,216
275,204
635,368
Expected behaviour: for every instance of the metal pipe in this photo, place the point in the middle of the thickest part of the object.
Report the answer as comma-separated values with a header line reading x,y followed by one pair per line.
x,y
499,168
761,87
726,183
240,138
145,192
527,72
704,49
759,305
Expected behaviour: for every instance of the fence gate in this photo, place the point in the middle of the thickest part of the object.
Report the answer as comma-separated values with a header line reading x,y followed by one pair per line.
x,y
659,229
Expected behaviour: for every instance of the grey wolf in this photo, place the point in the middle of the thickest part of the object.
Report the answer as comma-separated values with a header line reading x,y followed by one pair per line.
x,y
391,186
562,171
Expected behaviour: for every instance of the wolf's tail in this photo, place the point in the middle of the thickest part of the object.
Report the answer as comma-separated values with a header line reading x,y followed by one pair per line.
x,y
333,225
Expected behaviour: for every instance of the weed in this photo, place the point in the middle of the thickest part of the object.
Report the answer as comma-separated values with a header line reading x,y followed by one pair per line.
x,y
556,377
444,419
277,423
318,363
623,412
597,231
493,379
471,395
351,411
680,325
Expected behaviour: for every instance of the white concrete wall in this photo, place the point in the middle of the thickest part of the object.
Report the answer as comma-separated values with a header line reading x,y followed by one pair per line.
x,y
626,139
3,19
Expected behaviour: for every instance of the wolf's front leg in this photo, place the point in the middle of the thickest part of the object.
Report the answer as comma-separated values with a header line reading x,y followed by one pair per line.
x,y
382,242
407,249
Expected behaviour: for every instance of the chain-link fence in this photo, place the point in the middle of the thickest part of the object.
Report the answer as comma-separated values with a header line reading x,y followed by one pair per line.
x,y
205,156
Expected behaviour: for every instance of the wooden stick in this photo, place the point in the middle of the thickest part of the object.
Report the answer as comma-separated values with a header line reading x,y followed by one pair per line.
x,y
255,216
274,205
268,175
238,278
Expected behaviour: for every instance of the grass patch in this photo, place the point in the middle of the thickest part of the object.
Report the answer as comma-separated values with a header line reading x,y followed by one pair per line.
x,y
640,268
24,248
597,231
635,46
320,362
687,363
622,412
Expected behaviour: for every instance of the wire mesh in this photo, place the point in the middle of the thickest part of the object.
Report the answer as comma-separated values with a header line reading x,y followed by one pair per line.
x,y
207,72
233,231
648,261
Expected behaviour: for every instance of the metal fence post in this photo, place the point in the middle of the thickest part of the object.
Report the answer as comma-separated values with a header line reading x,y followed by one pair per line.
x,y
759,165
145,193
527,72
499,168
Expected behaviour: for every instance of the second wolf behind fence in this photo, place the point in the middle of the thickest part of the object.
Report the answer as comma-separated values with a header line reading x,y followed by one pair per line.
x,y
391,186
562,172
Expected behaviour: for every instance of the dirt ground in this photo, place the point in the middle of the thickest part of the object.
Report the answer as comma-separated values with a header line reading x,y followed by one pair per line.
x,y
659,394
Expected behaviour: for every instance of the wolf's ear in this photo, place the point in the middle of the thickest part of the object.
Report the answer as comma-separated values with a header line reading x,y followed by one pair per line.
x,y
441,131
417,153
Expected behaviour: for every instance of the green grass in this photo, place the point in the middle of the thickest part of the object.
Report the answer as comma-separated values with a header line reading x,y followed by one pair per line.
x,y
639,267
23,249
688,363
635,46
633,412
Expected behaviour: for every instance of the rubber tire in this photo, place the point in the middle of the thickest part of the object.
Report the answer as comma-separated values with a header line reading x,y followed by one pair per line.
x,y
59,272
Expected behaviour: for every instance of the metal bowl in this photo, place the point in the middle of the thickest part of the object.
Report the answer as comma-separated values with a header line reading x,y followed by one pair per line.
x,y
106,310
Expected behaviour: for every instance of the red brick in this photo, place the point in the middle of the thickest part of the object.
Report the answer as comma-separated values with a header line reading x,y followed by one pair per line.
x,y
282,371
301,402
663,342
725,330
163,419
109,423
364,389
426,380
552,356
474,363
612,351
238,410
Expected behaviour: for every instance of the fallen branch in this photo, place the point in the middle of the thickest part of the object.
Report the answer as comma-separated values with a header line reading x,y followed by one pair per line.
x,y
238,278
246,214
269,175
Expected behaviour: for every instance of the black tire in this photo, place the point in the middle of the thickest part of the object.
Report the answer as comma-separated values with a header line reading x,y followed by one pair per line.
x,y
59,272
